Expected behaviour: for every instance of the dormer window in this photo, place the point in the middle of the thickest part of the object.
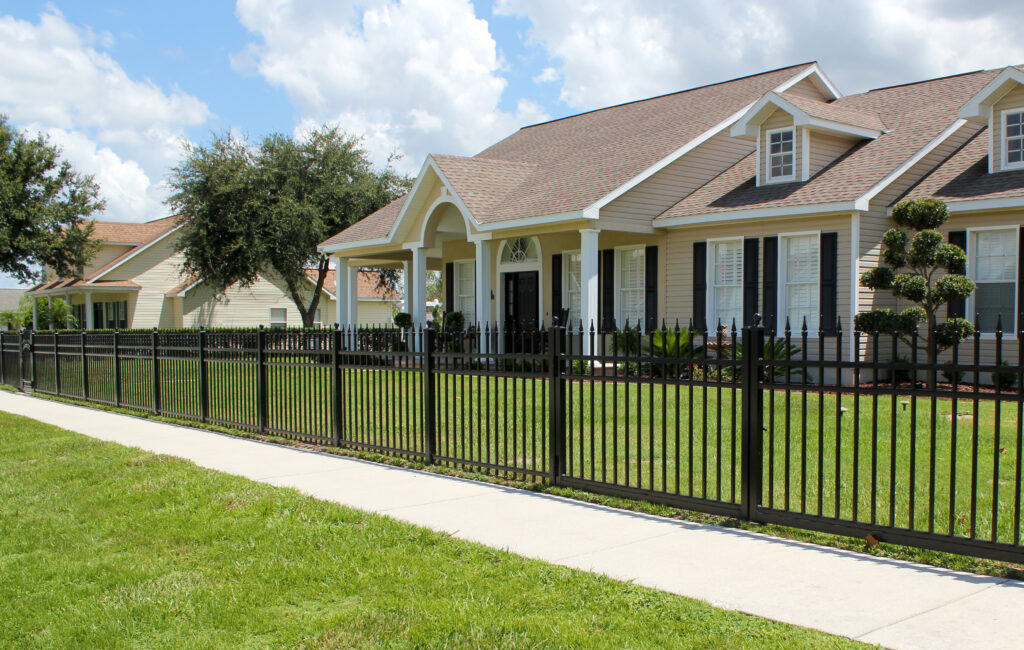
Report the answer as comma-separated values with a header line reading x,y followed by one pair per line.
x,y
1013,138
780,155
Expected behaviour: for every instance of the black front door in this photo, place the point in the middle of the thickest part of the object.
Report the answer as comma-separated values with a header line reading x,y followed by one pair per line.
x,y
522,313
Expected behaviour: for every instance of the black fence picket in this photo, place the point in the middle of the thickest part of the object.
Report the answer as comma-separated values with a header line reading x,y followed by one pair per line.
x,y
781,424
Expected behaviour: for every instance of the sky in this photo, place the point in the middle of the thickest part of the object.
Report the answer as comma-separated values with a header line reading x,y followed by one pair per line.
x,y
120,86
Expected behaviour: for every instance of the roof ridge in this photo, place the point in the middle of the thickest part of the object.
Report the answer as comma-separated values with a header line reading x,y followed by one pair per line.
x,y
478,157
675,92
922,81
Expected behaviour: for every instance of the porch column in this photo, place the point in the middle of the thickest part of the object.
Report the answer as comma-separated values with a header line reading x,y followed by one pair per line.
x,y
407,286
418,308
484,250
35,313
589,289
352,296
90,321
71,310
340,292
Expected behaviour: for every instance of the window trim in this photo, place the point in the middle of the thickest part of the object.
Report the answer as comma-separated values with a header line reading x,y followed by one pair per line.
x,y
710,300
457,274
970,274
1003,138
270,317
769,178
619,250
780,284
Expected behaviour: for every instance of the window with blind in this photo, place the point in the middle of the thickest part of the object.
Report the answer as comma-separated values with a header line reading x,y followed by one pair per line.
x,y
726,295
992,263
1013,138
780,155
800,273
631,269
465,290
278,317
573,287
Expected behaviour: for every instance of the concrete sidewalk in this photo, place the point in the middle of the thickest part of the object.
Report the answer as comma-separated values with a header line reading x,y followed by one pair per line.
x,y
887,602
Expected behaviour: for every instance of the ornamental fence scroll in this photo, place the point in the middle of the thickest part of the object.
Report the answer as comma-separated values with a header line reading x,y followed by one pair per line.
x,y
788,427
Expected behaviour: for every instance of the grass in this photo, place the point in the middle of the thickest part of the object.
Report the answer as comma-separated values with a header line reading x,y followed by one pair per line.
x,y
107,546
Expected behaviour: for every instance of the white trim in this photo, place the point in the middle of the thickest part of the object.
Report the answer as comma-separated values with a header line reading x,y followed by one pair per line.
x,y
979,107
1003,163
750,123
805,154
755,213
854,276
780,286
789,178
543,219
969,304
81,288
757,162
863,202
566,264
813,69
991,140
617,284
457,268
986,204
132,256
711,301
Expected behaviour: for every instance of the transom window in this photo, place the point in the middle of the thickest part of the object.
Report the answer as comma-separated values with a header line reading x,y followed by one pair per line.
x,y
993,267
631,271
1013,138
465,290
726,284
780,154
519,251
573,288
799,270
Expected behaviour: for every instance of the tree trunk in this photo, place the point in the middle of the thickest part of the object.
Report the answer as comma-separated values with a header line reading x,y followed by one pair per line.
x,y
307,312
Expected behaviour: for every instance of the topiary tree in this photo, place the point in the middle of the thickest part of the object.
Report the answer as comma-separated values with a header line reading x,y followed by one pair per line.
x,y
924,270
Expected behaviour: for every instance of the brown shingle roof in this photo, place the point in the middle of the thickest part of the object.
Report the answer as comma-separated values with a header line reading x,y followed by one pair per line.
x,y
836,112
569,164
964,176
131,233
914,114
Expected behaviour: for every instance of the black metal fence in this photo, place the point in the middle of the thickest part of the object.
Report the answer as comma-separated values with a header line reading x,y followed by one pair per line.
x,y
791,429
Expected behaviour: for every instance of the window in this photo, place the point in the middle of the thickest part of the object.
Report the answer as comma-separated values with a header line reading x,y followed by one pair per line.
x,y
780,155
519,251
116,314
1013,138
318,317
993,266
573,283
726,305
631,287
278,317
799,282
78,313
465,294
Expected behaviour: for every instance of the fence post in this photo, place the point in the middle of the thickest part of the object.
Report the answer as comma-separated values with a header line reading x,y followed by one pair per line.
x,y
28,364
336,375
429,434
204,392
117,369
3,368
85,371
262,394
556,406
156,371
56,363
751,470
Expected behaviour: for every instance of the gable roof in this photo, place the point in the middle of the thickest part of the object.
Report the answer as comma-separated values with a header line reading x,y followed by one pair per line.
x,y
571,163
916,117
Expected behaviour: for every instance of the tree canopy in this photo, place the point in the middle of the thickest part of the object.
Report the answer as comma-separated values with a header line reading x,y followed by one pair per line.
x,y
44,204
248,210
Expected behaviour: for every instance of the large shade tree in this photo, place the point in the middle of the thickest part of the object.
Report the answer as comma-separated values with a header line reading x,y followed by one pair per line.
x,y
247,210
923,270
44,206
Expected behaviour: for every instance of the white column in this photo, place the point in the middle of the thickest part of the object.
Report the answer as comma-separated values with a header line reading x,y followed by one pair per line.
x,y
589,288
352,296
35,313
90,322
340,292
407,286
484,249
418,308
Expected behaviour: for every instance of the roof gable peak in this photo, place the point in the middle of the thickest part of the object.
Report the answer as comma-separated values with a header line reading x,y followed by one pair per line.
x,y
979,107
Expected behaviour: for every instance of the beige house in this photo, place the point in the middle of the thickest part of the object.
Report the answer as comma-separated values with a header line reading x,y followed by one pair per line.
x,y
767,194
135,281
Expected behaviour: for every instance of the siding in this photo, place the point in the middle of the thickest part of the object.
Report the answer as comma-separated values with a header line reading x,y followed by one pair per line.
x,y
103,256
248,307
157,270
1012,99
806,88
681,177
826,147
779,119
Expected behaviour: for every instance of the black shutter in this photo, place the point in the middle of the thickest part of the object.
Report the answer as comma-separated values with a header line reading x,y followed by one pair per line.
x,y
750,269
651,288
829,274
957,308
1020,283
770,296
449,288
556,289
700,285
607,276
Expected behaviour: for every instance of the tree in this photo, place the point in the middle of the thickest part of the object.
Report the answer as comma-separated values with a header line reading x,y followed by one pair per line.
x,y
57,316
925,271
44,204
249,210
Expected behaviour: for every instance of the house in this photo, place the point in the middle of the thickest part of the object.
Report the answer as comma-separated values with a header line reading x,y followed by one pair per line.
x,y
135,281
9,301
765,194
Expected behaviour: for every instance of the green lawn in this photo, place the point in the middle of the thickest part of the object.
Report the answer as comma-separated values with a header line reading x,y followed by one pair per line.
x,y
106,546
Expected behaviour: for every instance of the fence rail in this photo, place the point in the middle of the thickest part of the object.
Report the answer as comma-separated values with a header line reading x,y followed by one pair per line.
x,y
786,428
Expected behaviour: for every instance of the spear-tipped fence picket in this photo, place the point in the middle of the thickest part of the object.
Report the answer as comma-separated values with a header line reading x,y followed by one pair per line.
x,y
789,427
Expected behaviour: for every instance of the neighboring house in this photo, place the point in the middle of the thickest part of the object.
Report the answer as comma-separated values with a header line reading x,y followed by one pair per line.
x,y
9,300
767,194
135,281
377,305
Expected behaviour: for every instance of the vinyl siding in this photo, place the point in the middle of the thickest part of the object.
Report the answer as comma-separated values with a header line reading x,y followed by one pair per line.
x,y
825,148
106,254
247,307
1012,99
157,270
806,88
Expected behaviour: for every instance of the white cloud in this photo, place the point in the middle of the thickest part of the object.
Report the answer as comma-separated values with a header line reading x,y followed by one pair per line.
x,y
547,75
420,76
608,51
125,132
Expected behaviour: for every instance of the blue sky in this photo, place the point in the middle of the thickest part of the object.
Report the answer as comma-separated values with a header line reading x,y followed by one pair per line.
x,y
121,85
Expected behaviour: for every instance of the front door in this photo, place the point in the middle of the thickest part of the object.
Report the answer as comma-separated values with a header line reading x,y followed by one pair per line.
x,y
522,313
